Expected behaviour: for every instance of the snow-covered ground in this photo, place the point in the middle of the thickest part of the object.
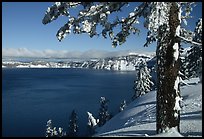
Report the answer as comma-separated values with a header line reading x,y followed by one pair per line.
x,y
139,117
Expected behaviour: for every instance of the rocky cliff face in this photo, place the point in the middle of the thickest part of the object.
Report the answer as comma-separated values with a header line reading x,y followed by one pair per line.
x,y
123,63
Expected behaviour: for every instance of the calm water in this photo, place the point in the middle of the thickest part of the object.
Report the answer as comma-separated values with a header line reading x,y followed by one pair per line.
x,y
32,96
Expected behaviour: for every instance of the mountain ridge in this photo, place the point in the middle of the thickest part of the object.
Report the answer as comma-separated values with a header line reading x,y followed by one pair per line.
x,y
125,63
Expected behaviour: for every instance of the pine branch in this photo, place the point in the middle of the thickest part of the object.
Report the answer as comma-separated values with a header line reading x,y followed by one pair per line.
x,y
182,81
190,41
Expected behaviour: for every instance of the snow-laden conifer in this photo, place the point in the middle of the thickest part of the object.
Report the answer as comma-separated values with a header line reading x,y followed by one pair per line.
x,y
92,123
122,105
143,83
52,131
73,124
163,21
104,114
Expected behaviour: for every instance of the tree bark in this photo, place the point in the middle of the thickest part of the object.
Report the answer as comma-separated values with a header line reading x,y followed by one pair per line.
x,y
167,73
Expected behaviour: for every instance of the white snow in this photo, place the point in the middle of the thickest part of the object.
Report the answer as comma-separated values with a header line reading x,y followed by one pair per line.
x,y
124,66
177,106
172,132
38,66
139,117
22,66
102,16
176,51
176,84
178,27
92,121
122,63
131,14
86,26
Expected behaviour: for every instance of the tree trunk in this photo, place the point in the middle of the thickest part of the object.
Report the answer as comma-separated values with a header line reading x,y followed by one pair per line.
x,y
168,93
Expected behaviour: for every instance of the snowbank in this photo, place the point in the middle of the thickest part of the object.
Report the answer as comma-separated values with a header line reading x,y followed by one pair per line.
x,y
170,133
139,117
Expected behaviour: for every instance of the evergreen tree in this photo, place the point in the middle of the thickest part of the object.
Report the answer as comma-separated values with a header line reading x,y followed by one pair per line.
x,y
73,126
143,83
162,19
191,64
104,115
52,132
92,123
122,105
49,130
193,61
61,133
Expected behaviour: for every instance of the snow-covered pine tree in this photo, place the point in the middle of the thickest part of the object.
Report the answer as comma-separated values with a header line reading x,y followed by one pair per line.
x,y
52,132
49,130
73,125
103,115
92,123
122,105
143,83
162,19
61,133
198,38
191,62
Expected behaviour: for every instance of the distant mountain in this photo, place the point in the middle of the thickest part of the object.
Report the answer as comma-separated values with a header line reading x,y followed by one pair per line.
x,y
123,63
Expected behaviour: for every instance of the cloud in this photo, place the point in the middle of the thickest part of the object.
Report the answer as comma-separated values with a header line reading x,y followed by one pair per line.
x,y
24,52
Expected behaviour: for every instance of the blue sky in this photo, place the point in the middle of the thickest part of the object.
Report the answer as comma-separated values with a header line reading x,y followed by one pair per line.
x,y
22,29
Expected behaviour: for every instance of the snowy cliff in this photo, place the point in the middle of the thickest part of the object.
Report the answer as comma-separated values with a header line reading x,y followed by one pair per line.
x,y
124,63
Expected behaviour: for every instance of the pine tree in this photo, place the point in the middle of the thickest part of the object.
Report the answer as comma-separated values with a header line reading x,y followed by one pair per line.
x,y
122,105
73,126
193,61
104,115
92,123
143,83
49,130
162,19
191,64
61,133
52,132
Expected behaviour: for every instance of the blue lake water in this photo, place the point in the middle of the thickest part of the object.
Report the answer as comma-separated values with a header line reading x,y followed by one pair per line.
x,y
30,97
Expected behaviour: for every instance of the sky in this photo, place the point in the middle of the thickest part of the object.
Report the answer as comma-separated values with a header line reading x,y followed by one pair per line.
x,y
23,33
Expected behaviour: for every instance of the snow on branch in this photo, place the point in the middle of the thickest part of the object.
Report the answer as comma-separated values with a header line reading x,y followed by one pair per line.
x,y
198,31
156,15
58,9
194,38
93,14
189,41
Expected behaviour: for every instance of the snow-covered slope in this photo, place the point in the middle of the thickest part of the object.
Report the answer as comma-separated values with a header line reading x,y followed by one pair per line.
x,y
139,118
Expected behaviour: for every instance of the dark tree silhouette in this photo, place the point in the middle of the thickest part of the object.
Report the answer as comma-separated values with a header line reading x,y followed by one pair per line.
x,y
73,125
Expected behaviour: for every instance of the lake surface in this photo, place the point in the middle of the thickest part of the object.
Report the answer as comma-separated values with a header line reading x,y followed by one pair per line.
x,y
30,97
